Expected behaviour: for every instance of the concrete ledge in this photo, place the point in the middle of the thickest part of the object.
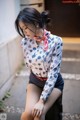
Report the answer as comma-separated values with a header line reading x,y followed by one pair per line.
x,y
71,46
70,43
71,96
6,87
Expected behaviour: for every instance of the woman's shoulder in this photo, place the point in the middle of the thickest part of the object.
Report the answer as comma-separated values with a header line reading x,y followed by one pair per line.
x,y
55,38
24,42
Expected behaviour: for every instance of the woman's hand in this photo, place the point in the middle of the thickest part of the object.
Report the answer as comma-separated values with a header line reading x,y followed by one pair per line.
x,y
38,108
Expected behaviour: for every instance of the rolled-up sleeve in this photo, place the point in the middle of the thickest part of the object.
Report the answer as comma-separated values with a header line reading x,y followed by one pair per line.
x,y
54,70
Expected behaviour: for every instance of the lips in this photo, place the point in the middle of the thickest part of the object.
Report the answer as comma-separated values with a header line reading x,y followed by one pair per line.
x,y
37,38
28,35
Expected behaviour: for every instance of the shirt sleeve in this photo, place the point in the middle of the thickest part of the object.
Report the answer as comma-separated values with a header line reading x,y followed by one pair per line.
x,y
54,70
24,49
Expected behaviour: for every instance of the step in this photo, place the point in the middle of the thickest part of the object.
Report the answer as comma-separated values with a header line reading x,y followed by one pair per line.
x,y
16,116
71,54
71,43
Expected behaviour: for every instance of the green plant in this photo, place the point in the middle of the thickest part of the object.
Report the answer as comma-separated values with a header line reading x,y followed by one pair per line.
x,y
7,95
2,105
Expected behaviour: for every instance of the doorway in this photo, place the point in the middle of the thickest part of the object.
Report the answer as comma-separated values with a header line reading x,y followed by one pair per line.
x,y
65,17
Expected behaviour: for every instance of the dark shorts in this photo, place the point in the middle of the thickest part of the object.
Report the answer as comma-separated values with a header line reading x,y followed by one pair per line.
x,y
34,80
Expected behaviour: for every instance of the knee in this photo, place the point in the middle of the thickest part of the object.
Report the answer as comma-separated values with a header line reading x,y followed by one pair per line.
x,y
26,116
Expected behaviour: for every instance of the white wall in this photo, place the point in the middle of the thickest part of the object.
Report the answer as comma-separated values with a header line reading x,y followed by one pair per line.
x,y
11,57
8,12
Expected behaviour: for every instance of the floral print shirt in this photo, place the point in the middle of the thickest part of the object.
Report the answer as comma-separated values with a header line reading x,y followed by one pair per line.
x,y
44,63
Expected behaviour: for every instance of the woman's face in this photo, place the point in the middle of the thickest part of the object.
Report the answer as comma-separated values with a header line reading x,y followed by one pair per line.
x,y
28,30
31,31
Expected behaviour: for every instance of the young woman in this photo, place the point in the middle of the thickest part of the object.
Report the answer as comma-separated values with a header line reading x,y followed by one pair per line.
x,y
42,54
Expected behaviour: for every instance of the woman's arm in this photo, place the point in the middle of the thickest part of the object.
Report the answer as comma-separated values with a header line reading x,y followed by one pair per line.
x,y
54,69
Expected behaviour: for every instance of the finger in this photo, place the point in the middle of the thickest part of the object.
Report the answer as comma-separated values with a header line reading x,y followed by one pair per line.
x,y
37,113
40,113
34,113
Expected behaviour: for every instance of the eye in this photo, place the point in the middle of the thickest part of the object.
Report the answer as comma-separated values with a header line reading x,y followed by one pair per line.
x,y
26,28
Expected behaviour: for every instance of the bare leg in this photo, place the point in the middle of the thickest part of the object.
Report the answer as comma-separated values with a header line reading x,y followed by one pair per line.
x,y
51,100
33,95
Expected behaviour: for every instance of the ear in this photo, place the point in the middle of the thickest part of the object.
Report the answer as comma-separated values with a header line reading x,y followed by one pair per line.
x,y
37,26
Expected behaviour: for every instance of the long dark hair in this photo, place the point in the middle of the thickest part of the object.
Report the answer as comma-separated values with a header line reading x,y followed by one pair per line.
x,y
31,16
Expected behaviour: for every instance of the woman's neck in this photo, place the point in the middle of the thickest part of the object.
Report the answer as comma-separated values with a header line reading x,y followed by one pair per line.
x,y
39,35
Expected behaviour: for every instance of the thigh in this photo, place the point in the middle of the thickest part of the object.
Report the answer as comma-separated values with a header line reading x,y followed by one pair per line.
x,y
32,97
55,94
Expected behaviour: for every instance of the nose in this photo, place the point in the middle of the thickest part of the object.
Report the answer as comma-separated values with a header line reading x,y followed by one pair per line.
x,y
25,32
